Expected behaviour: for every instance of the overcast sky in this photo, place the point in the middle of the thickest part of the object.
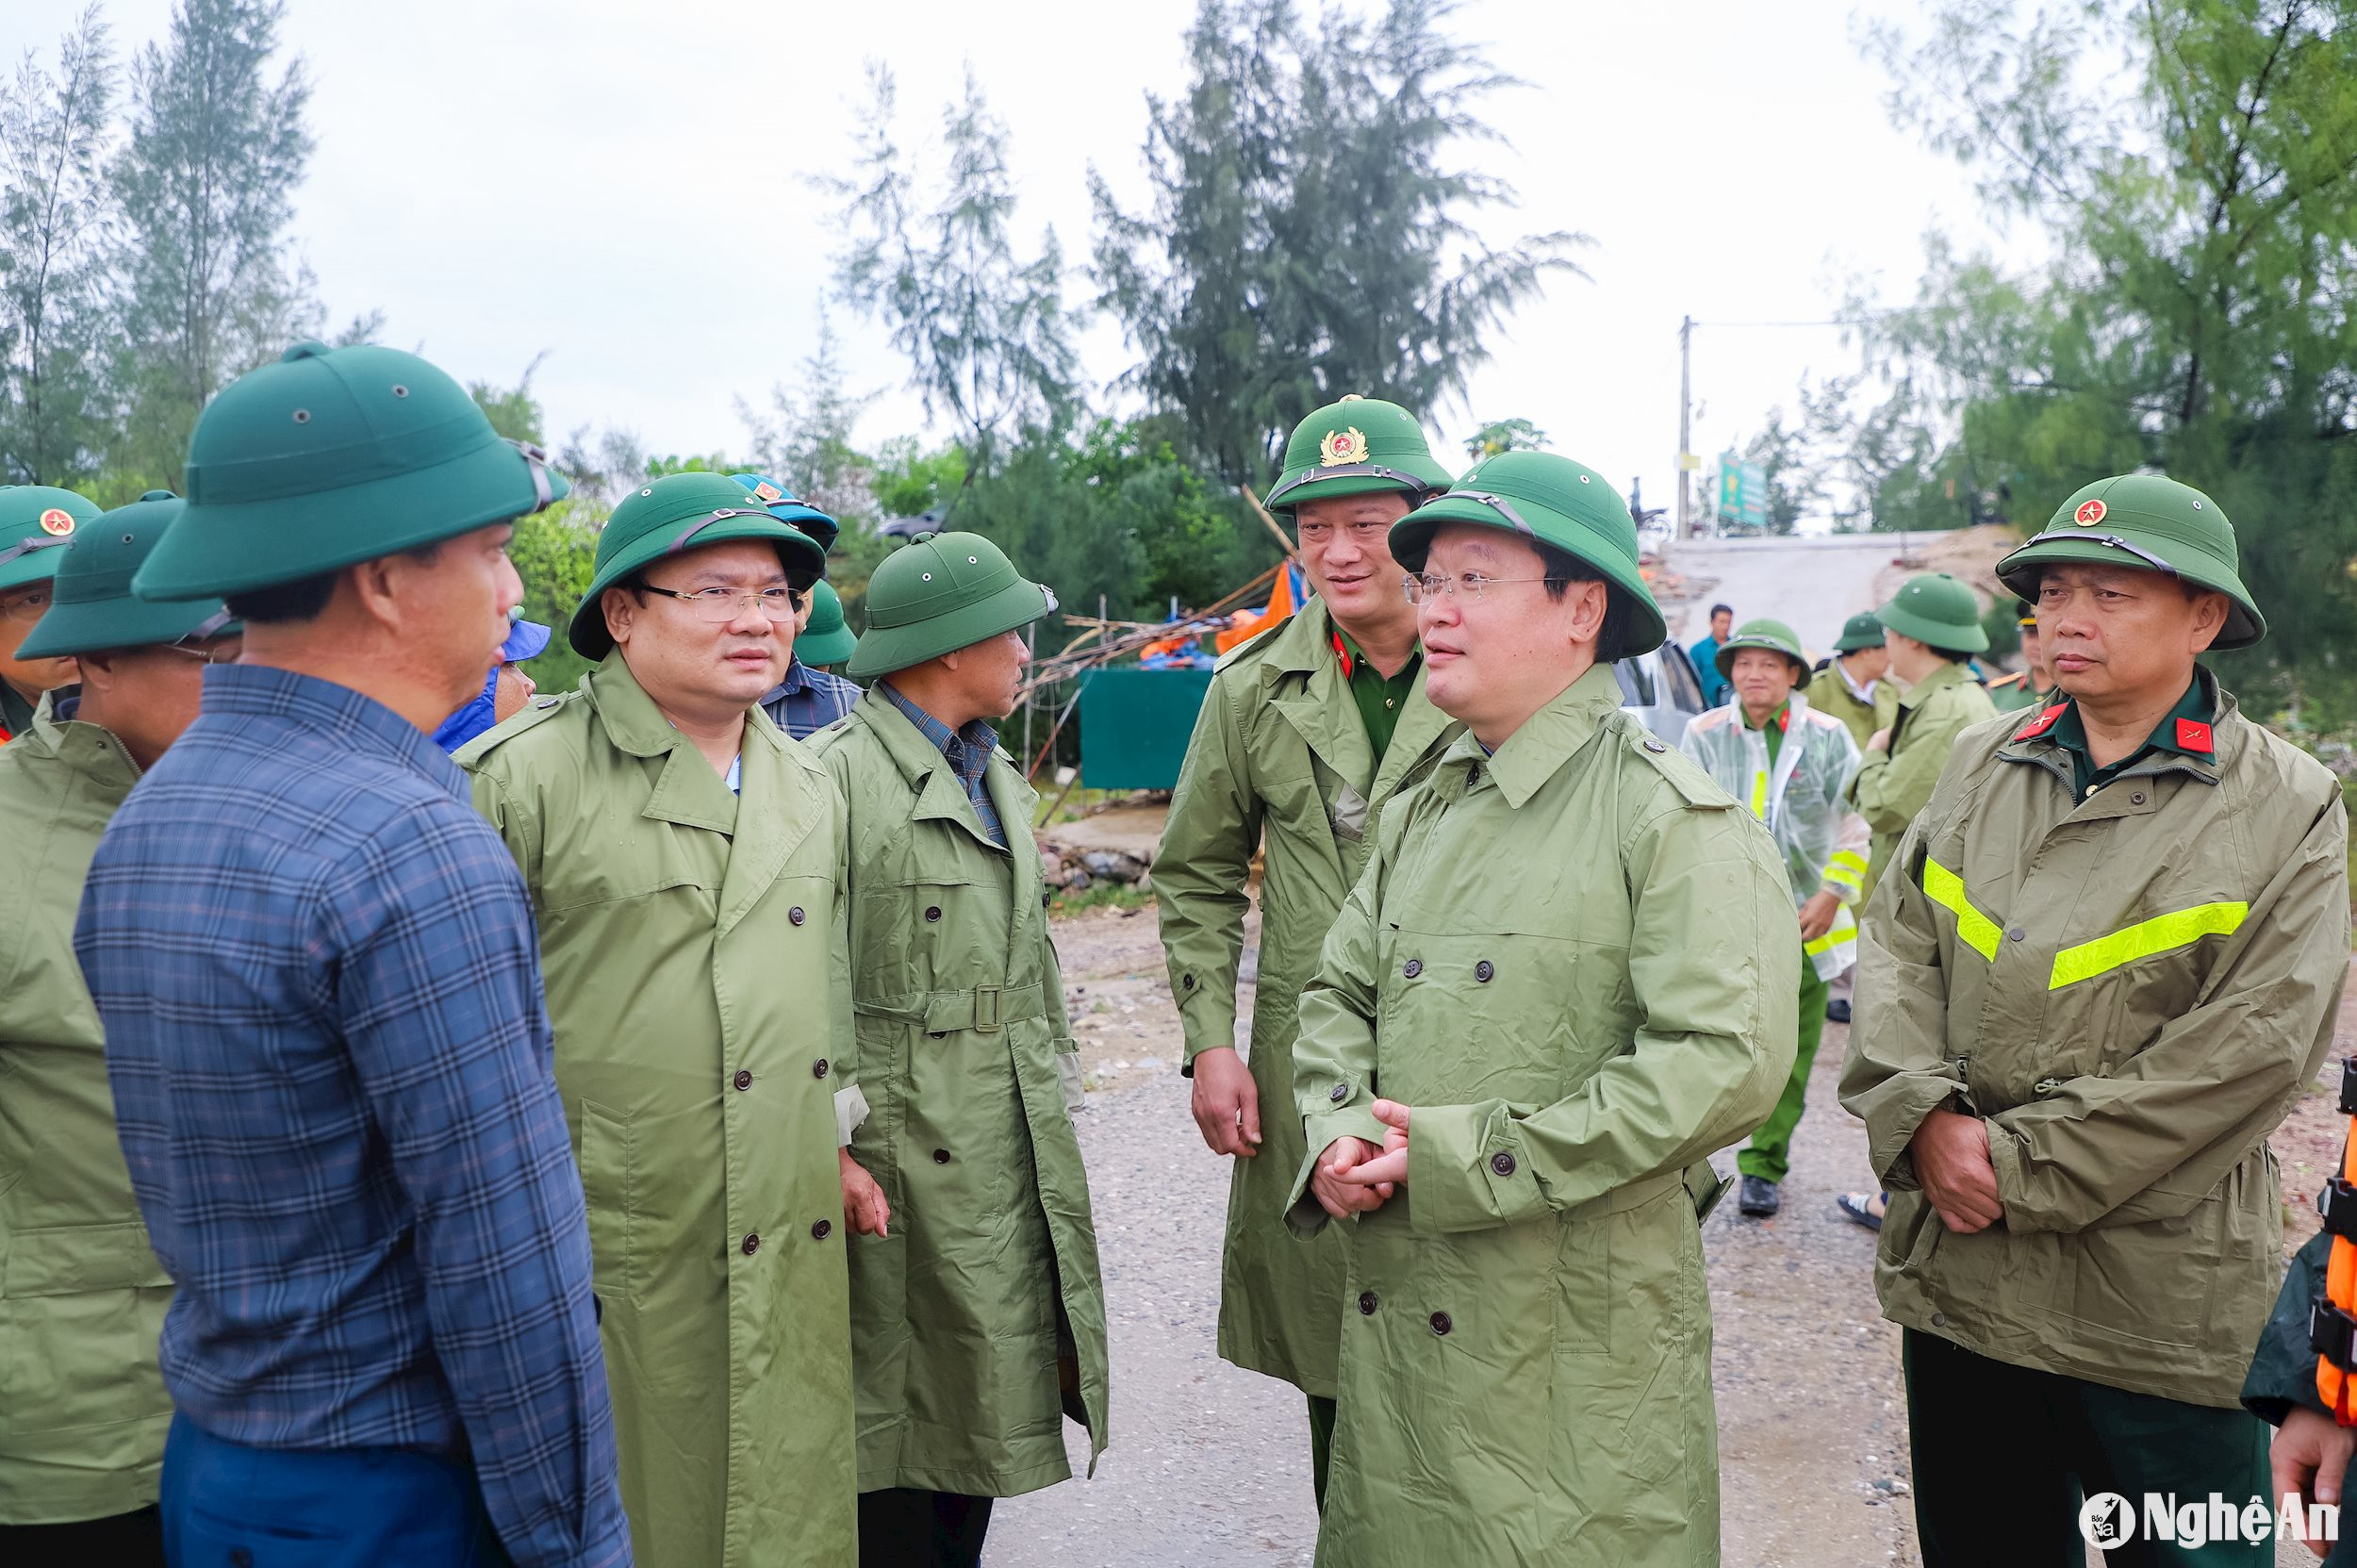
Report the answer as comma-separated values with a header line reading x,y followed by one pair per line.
x,y
622,185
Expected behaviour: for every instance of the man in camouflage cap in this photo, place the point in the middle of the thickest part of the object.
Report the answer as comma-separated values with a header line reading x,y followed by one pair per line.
x,y
1568,965
2104,962
36,521
1308,732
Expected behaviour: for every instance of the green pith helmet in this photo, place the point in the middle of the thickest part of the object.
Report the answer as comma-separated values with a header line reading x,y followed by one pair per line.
x,y
92,608
939,594
2150,523
1352,447
1936,609
1541,496
826,639
671,516
328,456
1775,636
1860,630
36,523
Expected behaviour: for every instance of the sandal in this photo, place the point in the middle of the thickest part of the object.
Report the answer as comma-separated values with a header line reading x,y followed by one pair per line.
x,y
1865,1208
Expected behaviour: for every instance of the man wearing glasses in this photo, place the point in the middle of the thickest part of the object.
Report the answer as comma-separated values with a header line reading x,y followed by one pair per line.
x,y
1567,970
82,1299
686,862
36,523
1307,734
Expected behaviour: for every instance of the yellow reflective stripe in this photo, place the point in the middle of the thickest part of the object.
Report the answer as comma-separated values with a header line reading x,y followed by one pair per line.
x,y
1946,890
1836,871
1759,795
1831,940
2144,939
1851,859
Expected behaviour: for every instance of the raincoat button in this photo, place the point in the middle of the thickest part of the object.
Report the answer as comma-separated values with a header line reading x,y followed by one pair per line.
x,y
1484,971
794,915
751,1243
1441,1323
1655,747
1413,968
1341,1093
1190,983
932,912
743,1081
2018,935
2138,798
1939,1320
821,1230
1501,1163
941,1157
1366,1303
818,1069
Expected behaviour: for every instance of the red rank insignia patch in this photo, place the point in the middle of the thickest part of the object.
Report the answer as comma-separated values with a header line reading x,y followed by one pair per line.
x,y
2042,723
1350,665
2193,736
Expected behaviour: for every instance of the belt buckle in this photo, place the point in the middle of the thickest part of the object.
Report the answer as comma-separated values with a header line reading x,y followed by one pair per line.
x,y
986,1009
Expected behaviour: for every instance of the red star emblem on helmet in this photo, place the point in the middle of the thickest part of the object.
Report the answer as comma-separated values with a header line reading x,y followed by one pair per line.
x,y
2090,512
57,521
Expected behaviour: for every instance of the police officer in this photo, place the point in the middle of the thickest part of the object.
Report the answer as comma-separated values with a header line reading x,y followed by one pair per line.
x,y
36,523
1932,627
978,1320
688,864
2105,959
1553,971
1787,762
1846,684
1307,734
83,1410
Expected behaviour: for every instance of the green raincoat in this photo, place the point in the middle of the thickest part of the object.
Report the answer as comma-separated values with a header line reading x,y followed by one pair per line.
x,y
1891,786
1574,961
1829,691
2131,991
979,1323
693,947
82,1406
1278,751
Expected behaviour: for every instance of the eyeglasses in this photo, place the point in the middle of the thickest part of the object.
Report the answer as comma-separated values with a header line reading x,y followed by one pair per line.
x,y
224,652
719,606
1422,588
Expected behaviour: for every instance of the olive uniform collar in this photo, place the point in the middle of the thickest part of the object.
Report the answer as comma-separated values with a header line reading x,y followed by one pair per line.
x,y
88,748
2184,741
1538,750
690,791
1949,674
934,782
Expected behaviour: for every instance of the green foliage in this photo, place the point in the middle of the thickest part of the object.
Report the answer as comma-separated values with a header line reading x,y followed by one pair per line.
x,y
908,481
513,411
554,551
1505,436
2001,621
2192,162
1312,227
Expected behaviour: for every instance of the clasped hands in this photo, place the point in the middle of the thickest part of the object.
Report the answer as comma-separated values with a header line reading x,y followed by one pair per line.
x,y
1353,1176
1951,1152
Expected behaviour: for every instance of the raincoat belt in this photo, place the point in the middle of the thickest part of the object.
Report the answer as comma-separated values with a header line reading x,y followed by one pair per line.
x,y
981,1008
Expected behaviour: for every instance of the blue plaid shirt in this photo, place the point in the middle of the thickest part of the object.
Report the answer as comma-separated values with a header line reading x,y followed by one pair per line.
x,y
968,751
333,1078
807,700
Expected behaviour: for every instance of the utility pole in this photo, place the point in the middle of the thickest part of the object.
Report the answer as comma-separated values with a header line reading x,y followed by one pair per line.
x,y
1686,423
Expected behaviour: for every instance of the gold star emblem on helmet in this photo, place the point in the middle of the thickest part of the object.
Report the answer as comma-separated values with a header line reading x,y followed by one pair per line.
x,y
1343,446
57,521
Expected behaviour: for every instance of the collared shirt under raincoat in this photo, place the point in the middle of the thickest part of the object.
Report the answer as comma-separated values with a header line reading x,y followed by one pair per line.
x,y
1279,762
979,1323
82,1298
2130,991
693,945
1924,720
1798,795
1573,962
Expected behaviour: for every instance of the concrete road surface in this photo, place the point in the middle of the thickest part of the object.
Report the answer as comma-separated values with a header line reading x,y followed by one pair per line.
x,y
1812,584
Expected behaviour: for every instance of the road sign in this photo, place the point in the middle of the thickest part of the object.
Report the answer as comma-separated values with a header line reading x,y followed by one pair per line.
x,y
1743,491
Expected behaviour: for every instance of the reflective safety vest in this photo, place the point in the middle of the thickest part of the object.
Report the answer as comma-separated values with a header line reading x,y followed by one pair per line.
x,y
1798,798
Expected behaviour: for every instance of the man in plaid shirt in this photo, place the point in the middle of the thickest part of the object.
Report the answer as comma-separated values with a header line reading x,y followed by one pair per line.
x,y
318,974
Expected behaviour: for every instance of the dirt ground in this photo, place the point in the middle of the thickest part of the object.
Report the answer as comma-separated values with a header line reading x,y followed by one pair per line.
x,y
1208,1465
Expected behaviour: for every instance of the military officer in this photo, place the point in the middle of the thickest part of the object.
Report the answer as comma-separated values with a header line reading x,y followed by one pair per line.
x,y
979,1321
1932,627
687,865
2107,958
1553,971
83,1410
1846,684
1778,755
1307,734
36,523
2033,685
